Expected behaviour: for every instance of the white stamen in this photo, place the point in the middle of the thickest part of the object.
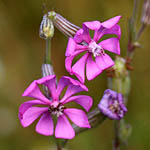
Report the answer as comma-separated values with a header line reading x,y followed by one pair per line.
x,y
95,49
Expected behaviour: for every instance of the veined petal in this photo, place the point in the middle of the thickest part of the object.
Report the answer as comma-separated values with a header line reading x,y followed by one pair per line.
x,y
92,69
111,22
82,35
79,68
64,129
68,60
104,61
83,100
103,31
93,25
50,82
31,114
26,105
111,44
45,125
74,87
34,91
78,117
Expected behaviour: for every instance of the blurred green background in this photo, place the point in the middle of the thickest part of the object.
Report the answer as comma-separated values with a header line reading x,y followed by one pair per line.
x,y
21,56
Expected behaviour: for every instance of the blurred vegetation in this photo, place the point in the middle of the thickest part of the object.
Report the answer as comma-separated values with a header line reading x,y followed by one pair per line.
x,y
21,56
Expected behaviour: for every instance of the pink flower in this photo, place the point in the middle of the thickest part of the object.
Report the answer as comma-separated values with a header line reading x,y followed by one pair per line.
x,y
94,56
54,107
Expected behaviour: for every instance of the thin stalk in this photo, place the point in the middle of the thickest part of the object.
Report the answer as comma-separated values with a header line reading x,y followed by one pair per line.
x,y
135,10
132,29
140,31
48,51
116,145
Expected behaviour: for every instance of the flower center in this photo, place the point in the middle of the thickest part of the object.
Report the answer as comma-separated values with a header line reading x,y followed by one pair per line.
x,y
115,107
56,108
95,49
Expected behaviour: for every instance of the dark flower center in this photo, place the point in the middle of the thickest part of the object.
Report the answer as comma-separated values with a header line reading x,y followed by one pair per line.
x,y
56,108
115,107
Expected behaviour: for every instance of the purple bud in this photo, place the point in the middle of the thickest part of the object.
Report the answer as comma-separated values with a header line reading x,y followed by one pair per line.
x,y
112,105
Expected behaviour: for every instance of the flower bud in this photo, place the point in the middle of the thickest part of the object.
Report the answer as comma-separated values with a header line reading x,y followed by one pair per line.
x,y
121,79
63,25
112,105
46,28
145,19
47,70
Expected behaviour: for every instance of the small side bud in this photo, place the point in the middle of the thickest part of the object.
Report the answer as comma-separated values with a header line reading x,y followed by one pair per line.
x,y
46,28
63,25
145,19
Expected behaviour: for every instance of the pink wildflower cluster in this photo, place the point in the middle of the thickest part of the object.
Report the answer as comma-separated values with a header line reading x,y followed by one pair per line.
x,y
96,61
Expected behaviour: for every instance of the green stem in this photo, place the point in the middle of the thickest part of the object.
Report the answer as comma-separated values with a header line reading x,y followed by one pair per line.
x,y
48,51
140,32
116,139
135,10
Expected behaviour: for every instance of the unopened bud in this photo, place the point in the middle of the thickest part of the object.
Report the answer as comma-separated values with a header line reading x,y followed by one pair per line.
x,y
46,28
121,79
47,70
63,25
145,19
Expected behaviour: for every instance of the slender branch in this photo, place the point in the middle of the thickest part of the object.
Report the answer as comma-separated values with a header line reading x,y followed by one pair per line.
x,y
95,118
140,32
116,138
48,51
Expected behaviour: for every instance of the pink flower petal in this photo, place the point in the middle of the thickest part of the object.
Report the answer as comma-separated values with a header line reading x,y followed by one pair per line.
x,y
92,69
111,44
79,68
82,35
104,61
34,91
83,100
31,114
64,129
74,87
68,60
45,125
70,47
78,117
50,82
103,31
111,22
93,25
23,107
